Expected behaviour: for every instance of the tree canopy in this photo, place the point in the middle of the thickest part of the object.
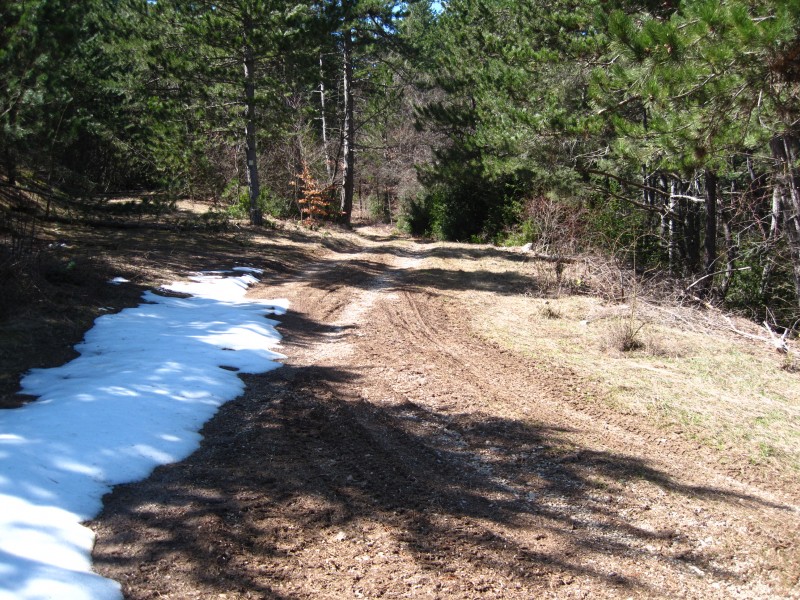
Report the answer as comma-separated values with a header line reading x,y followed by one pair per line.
x,y
668,130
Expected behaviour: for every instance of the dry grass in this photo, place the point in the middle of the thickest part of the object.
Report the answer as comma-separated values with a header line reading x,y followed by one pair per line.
x,y
791,362
626,335
729,393
550,311
680,367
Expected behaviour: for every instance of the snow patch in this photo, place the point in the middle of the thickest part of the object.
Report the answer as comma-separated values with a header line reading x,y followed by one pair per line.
x,y
146,380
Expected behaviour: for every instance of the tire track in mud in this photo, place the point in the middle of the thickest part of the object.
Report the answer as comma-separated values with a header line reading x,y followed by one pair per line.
x,y
439,444
478,385
592,431
399,455
603,434
389,440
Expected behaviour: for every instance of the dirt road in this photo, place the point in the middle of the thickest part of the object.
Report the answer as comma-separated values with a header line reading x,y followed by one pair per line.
x,y
400,454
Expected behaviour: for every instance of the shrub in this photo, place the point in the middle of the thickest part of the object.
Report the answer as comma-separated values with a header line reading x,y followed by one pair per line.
x,y
552,224
549,311
237,200
416,215
278,207
458,213
238,203
625,335
317,201
380,208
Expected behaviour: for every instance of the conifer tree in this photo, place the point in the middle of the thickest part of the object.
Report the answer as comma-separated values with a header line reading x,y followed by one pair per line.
x,y
696,93
510,74
234,53
71,108
363,34
39,46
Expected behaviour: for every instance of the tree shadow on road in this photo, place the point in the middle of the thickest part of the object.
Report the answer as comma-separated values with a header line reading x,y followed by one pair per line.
x,y
351,264
363,273
303,475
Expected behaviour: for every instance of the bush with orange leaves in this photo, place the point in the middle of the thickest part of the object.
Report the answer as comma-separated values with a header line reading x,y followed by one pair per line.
x,y
317,203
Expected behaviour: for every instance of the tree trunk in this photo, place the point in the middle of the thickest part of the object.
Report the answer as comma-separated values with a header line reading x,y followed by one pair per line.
x,y
11,167
783,150
8,154
671,241
256,218
710,241
348,172
328,166
691,229
731,254
775,214
772,236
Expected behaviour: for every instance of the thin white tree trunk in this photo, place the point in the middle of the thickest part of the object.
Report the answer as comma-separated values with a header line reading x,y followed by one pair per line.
x,y
251,155
328,165
348,170
786,188
671,227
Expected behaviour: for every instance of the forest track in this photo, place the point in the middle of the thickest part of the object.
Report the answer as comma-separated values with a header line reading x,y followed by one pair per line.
x,y
400,454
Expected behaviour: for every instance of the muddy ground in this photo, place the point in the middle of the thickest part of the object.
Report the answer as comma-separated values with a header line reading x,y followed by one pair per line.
x,y
398,454
401,454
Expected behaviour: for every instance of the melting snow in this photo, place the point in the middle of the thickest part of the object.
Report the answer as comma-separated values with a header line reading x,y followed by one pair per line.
x,y
146,380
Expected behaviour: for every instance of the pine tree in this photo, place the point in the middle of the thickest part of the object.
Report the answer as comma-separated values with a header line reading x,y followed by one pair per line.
x,y
230,61
363,34
696,93
510,75
39,43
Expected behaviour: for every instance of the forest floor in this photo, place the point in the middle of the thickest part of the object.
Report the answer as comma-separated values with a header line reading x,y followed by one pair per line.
x,y
448,424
